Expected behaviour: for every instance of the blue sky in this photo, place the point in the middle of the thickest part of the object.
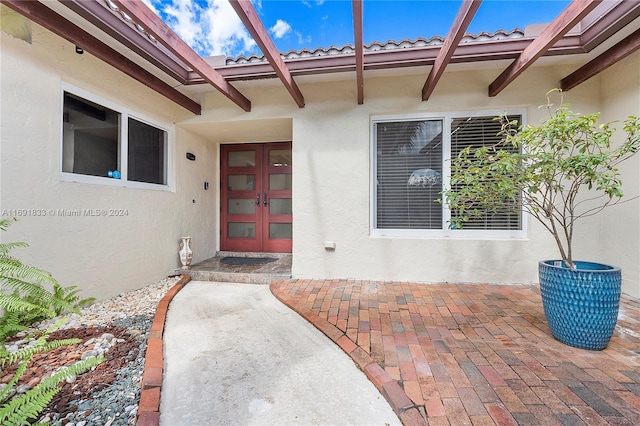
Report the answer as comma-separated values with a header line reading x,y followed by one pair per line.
x,y
211,27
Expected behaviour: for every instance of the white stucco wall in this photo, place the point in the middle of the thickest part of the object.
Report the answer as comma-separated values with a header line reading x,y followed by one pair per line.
x,y
103,255
332,185
331,144
619,227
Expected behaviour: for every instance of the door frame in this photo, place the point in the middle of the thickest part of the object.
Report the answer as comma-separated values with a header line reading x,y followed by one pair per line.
x,y
261,242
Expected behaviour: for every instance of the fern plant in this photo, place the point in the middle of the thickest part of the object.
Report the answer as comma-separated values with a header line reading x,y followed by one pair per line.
x,y
23,408
24,299
70,294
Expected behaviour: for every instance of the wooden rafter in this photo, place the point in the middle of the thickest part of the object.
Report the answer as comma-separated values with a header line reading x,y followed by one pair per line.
x,y
47,18
100,15
618,52
567,19
247,14
165,35
606,20
357,33
464,17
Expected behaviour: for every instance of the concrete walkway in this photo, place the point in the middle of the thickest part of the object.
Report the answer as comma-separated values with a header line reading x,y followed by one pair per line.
x,y
234,354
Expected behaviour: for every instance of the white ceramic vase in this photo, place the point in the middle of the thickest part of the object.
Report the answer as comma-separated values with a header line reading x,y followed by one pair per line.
x,y
186,254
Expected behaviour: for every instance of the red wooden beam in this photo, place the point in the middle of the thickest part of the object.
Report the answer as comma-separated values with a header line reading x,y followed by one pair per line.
x,y
464,17
167,37
618,52
357,32
567,19
606,20
59,25
247,14
100,15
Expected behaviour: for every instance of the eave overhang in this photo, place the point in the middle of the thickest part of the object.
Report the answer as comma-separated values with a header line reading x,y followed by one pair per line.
x,y
136,41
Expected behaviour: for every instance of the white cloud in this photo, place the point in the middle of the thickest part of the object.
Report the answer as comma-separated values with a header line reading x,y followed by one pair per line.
x,y
183,17
310,4
225,32
280,29
302,40
211,29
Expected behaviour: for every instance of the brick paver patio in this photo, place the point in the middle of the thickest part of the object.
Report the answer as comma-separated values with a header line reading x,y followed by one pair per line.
x,y
467,354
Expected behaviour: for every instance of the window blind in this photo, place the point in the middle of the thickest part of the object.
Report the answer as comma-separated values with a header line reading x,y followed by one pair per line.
x,y
478,132
408,174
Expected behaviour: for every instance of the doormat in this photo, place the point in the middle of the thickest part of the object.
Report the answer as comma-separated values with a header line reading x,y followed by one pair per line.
x,y
230,260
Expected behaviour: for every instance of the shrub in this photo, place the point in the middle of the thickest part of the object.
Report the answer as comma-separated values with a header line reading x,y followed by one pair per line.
x,y
562,171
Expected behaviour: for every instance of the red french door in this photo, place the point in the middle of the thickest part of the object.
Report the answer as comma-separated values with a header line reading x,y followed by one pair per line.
x,y
256,197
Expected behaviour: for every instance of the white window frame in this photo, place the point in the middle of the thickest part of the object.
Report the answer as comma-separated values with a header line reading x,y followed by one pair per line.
x,y
125,114
444,232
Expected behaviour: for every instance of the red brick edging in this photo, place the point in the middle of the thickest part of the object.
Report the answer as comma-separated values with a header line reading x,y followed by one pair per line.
x,y
149,405
386,385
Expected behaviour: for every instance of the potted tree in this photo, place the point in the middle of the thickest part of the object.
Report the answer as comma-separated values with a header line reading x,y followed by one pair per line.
x,y
559,172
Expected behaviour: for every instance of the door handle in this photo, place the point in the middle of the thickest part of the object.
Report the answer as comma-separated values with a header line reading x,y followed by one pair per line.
x,y
265,199
258,199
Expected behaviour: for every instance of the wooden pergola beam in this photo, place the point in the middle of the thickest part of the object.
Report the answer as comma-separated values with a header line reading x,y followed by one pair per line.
x,y
567,19
168,38
247,14
47,18
464,17
357,33
618,52
100,15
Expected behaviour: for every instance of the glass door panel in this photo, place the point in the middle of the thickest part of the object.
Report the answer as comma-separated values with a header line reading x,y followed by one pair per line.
x,y
280,181
241,182
280,157
241,159
241,206
241,230
280,230
280,206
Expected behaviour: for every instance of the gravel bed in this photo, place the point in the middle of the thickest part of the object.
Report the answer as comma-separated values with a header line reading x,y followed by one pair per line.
x,y
113,401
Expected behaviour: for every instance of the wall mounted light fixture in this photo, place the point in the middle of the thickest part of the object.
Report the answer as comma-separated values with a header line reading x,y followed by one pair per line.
x,y
191,156
79,50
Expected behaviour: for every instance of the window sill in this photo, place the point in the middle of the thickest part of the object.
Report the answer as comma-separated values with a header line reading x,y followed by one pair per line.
x,y
449,235
105,181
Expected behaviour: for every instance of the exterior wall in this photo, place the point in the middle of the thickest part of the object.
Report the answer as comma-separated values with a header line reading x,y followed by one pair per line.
x,y
332,202
619,227
102,255
332,148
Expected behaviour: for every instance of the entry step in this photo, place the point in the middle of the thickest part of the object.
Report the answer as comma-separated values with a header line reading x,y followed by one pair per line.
x,y
244,267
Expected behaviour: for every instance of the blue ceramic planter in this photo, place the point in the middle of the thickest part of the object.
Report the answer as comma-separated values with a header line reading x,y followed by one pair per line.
x,y
581,305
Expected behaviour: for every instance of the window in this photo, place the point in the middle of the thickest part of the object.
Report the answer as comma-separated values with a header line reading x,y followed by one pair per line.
x,y
411,167
478,132
147,150
409,174
91,139
103,144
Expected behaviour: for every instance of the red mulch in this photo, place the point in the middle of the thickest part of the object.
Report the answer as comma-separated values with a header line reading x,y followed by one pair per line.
x,y
44,364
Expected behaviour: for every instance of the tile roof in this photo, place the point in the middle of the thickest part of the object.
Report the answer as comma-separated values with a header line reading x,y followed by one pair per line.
x,y
376,46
